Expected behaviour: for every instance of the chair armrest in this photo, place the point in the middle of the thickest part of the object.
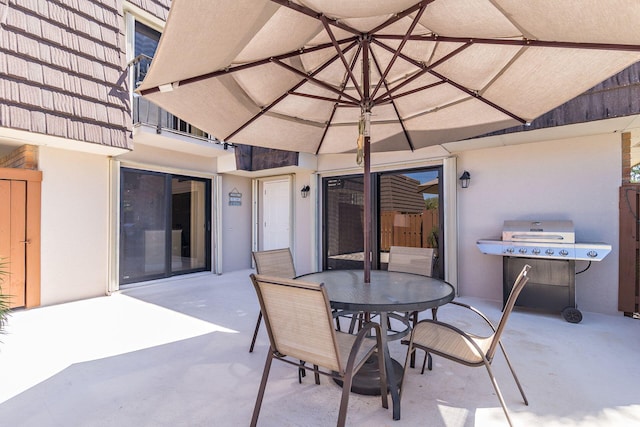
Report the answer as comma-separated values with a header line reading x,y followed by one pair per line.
x,y
360,337
476,311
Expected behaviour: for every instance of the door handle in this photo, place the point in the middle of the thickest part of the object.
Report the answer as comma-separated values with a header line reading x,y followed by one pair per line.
x,y
28,241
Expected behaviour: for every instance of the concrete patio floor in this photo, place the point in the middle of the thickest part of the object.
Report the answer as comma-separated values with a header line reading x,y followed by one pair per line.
x,y
175,353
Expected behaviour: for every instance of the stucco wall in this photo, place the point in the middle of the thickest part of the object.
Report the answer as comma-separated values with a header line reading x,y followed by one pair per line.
x,y
303,224
75,215
236,224
574,179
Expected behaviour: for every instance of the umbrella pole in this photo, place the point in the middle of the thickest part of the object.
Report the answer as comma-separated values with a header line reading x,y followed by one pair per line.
x,y
367,210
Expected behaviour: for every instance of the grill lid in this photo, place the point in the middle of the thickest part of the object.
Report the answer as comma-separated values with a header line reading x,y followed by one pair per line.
x,y
560,231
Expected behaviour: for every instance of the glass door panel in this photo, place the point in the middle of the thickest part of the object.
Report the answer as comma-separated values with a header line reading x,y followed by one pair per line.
x,y
188,228
143,223
343,222
409,213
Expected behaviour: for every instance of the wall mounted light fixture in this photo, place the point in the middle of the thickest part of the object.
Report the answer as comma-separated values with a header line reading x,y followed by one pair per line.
x,y
464,179
304,192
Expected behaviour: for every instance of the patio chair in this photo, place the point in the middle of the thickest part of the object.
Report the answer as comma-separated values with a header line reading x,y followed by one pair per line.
x,y
299,322
469,349
275,262
416,261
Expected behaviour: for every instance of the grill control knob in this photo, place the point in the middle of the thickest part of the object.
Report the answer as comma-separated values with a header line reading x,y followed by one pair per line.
x,y
592,254
523,250
535,251
549,252
564,252
509,250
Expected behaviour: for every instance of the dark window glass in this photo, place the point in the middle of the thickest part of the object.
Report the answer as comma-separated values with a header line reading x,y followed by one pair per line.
x,y
146,40
343,222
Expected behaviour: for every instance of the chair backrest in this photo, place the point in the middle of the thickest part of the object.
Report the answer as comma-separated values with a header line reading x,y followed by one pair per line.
x,y
275,262
299,322
411,260
519,283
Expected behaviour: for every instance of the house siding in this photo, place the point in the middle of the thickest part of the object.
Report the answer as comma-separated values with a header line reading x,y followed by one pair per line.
x,y
63,70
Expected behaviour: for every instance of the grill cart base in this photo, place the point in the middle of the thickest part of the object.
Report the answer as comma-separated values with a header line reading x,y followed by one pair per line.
x,y
551,285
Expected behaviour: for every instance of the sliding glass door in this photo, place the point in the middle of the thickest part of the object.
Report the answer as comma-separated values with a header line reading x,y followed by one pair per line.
x,y
164,225
406,213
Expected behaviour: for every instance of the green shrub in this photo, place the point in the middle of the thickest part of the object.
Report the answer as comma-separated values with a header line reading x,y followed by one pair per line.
x,y
4,299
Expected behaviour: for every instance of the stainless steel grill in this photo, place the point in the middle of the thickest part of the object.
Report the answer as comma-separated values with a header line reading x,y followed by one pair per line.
x,y
551,249
543,239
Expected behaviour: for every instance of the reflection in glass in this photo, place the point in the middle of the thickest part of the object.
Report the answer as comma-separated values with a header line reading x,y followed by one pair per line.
x,y
409,211
344,223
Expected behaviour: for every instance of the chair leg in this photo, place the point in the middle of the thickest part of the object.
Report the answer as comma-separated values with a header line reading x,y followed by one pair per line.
x,y
427,356
513,372
255,332
263,386
344,401
498,393
414,321
429,365
301,371
316,374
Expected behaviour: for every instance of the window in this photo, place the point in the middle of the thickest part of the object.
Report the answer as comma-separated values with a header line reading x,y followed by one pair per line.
x,y
164,225
146,41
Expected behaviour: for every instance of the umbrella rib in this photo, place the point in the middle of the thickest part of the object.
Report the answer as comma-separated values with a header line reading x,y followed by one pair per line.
x,y
252,64
398,50
316,15
393,104
423,67
399,16
324,98
477,96
284,95
409,92
335,106
520,42
429,69
311,79
344,60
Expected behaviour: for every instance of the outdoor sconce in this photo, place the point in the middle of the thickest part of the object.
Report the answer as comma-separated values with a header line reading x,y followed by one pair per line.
x,y
464,179
304,192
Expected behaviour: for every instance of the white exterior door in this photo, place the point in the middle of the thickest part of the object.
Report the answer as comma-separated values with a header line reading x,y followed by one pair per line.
x,y
276,202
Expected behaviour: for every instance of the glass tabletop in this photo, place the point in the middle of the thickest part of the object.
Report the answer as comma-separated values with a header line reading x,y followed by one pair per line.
x,y
388,291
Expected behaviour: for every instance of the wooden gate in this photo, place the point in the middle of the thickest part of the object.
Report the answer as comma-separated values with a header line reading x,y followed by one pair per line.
x,y
20,234
629,270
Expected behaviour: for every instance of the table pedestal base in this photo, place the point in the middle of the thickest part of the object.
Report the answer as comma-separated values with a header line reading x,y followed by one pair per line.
x,y
367,380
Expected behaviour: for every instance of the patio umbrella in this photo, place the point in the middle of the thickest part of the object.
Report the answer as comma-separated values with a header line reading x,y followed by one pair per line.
x,y
335,76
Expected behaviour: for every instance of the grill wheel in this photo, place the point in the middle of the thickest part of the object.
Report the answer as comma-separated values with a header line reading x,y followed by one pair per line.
x,y
572,315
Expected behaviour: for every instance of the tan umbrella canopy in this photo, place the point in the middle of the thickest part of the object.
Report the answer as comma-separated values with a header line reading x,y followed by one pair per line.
x,y
313,75
429,187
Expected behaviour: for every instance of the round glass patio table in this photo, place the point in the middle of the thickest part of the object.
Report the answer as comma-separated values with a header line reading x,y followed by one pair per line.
x,y
386,293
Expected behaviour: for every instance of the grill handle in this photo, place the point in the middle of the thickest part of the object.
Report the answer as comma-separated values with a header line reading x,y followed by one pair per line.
x,y
537,237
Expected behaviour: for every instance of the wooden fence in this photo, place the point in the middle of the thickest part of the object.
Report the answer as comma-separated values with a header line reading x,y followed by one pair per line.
x,y
409,229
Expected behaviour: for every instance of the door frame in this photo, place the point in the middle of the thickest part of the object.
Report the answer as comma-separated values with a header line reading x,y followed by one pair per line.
x,y
33,179
258,205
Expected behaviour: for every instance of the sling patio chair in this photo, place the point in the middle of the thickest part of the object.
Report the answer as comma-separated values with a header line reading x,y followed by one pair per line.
x,y
300,326
275,262
452,343
416,261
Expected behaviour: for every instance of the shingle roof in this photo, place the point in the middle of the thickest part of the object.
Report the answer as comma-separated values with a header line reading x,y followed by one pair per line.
x,y
63,68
